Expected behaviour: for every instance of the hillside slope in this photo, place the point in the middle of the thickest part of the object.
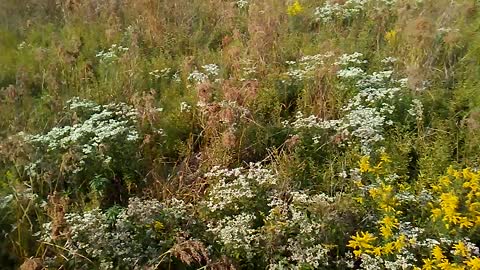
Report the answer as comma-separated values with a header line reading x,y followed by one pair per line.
x,y
239,134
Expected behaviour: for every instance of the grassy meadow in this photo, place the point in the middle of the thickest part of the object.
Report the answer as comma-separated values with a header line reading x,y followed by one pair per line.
x,y
240,134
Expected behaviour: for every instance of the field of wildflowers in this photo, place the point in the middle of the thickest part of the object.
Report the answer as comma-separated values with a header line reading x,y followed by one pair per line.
x,y
240,134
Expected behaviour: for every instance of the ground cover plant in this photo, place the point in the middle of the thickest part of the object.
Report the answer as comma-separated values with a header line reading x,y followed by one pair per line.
x,y
239,134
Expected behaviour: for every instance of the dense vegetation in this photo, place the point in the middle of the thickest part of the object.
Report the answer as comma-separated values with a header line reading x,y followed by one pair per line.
x,y
239,134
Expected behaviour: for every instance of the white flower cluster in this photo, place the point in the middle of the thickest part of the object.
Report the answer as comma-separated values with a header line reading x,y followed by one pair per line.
x,y
388,2
197,77
351,73
349,9
416,110
89,233
184,107
329,12
236,233
367,113
211,69
210,72
299,215
112,54
23,45
143,211
127,239
349,59
177,209
423,198
348,62
249,70
444,30
102,126
163,73
242,3
389,60
241,110
309,122
237,190
304,68
313,256
176,77
237,186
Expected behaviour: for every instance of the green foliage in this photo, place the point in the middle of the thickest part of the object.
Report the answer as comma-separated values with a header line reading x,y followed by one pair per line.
x,y
254,120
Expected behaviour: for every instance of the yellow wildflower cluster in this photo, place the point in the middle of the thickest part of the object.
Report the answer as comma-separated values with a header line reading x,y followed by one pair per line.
x,y
458,203
361,242
295,8
383,199
454,202
388,223
365,164
438,260
365,243
366,167
385,204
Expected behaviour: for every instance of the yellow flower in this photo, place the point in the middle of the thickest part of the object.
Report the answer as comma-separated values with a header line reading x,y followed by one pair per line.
x,y
427,264
448,203
458,174
456,267
359,200
387,189
437,253
461,249
388,223
465,223
358,183
446,265
386,207
468,184
388,248
467,174
295,9
477,220
373,192
451,171
361,241
391,36
377,251
385,157
399,243
378,167
472,207
158,226
436,213
445,181
365,164
473,263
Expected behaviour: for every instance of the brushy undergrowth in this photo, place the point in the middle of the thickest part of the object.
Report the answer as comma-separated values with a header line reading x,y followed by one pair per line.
x,y
239,134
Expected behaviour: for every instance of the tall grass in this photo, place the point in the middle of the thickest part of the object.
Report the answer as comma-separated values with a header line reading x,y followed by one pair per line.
x,y
222,83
